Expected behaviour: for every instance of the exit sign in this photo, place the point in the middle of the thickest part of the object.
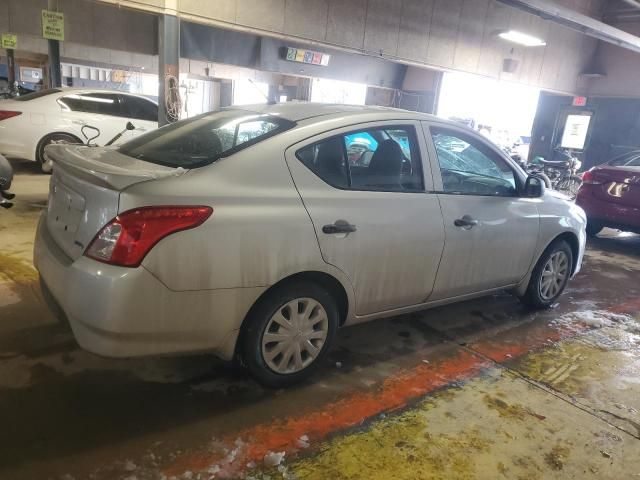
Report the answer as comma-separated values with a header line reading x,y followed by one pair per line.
x,y
579,101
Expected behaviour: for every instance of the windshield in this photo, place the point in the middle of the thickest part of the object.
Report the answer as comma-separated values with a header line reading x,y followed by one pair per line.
x,y
34,95
203,139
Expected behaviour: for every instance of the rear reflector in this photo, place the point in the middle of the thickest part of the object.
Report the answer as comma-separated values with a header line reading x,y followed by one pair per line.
x,y
126,239
4,114
589,179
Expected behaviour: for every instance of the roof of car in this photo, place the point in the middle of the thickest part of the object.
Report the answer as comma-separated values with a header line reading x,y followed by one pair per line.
x,y
296,111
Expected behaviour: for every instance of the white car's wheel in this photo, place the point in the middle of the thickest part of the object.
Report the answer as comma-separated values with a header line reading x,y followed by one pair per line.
x,y
52,139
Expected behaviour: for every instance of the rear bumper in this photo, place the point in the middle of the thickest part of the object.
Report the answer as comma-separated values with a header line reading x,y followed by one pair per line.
x,y
127,312
608,213
15,146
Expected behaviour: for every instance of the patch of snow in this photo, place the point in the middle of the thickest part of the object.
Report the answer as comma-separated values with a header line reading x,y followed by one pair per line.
x,y
303,442
273,459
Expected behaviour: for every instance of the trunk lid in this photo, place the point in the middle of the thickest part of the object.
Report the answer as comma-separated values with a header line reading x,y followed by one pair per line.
x,y
85,188
619,185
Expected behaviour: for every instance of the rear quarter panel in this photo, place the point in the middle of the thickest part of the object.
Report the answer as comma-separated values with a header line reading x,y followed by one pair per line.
x,y
259,232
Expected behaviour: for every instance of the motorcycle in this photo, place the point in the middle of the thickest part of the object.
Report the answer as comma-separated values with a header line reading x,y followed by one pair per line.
x,y
6,177
561,174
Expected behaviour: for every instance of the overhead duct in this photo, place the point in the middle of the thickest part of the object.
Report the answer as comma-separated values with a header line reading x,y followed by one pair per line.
x,y
633,3
577,21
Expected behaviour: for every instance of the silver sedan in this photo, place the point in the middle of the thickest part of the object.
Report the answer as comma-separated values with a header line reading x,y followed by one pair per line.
x,y
258,231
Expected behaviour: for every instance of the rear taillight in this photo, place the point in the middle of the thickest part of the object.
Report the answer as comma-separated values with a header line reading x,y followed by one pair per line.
x,y
126,239
4,114
589,178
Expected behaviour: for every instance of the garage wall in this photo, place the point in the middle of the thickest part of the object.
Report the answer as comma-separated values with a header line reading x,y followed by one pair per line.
x,y
621,66
444,34
94,32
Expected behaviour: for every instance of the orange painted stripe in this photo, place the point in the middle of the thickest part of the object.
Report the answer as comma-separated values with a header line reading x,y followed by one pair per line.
x,y
283,435
632,306
395,392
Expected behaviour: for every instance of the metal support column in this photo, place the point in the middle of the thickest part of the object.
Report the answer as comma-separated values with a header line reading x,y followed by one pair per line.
x,y
55,70
168,69
55,73
11,67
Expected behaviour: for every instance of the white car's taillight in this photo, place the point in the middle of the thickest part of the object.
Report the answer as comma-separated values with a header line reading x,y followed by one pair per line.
x,y
4,114
126,239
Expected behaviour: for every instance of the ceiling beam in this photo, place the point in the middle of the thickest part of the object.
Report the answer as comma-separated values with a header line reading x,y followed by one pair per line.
x,y
577,21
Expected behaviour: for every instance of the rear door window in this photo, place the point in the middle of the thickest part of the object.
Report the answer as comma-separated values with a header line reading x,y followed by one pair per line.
x,y
203,139
380,158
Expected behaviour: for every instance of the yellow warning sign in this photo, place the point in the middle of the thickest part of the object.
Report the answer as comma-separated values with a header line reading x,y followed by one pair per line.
x,y
9,40
53,25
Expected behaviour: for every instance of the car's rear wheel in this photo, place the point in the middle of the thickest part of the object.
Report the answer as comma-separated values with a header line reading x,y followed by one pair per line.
x,y
288,334
550,276
593,228
54,138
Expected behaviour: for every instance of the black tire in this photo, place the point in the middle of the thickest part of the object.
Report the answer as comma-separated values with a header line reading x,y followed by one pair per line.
x,y
593,228
251,350
534,297
545,178
570,186
45,167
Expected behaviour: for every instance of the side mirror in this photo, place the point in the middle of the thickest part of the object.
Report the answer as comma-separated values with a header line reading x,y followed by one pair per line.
x,y
130,126
534,187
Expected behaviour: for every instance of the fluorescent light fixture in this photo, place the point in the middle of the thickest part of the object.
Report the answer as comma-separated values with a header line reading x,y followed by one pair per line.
x,y
522,38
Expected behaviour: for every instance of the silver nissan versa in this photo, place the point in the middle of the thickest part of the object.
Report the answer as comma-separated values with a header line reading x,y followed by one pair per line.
x,y
258,231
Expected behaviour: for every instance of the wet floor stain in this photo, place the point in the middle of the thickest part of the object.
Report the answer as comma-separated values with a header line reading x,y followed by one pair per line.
x,y
16,270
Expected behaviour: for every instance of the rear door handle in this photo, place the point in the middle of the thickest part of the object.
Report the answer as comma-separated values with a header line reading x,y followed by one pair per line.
x,y
340,226
466,222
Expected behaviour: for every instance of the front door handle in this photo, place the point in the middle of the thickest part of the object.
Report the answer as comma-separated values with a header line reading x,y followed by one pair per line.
x,y
340,226
466,222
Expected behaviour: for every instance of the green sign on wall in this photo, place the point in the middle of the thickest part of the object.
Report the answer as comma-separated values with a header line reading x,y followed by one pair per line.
x,y
53,25
9,40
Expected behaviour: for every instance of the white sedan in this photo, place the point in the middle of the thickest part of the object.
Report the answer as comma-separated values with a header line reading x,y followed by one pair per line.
x,y
31,122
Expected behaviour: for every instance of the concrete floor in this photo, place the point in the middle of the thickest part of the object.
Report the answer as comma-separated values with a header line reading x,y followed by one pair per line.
x,y
482,389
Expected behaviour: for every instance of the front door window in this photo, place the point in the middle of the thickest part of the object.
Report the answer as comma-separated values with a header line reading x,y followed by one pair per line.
x,y
469,167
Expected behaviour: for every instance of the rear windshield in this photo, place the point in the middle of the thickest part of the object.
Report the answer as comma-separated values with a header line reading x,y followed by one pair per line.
x,y
629,159
203,139
34,95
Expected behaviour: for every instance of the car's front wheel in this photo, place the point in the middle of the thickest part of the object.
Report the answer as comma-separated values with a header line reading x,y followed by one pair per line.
x,y
288,334
550,276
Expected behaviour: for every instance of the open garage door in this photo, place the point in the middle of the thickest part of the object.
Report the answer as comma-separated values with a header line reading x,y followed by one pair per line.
x,y
503,111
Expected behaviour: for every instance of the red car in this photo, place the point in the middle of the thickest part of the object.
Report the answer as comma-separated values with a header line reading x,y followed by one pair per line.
x,y
610,194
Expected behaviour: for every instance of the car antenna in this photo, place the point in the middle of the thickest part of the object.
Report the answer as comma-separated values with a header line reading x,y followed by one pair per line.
x,y
270,101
